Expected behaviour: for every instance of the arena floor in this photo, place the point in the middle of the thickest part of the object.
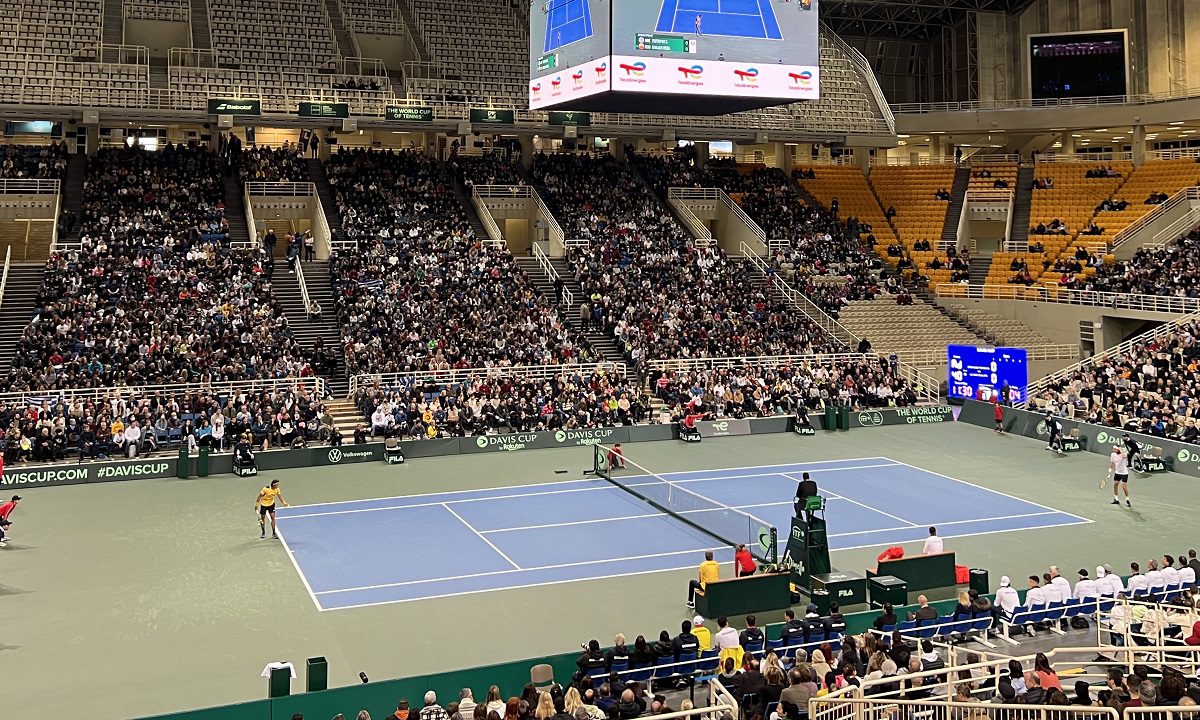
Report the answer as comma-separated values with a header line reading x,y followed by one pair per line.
x,y
153,596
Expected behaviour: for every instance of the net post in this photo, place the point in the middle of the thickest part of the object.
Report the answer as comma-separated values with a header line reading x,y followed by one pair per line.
x,y
774,555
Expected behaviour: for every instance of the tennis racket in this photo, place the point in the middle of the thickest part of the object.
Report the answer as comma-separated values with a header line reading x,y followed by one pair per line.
x,y
1106,480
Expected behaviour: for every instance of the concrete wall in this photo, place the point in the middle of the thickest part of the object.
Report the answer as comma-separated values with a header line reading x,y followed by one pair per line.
x,y
158,35
1060,323
391,49
517,235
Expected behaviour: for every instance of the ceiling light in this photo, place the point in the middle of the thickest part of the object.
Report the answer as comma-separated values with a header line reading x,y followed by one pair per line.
x,y
903,137
1076,135
1177,122
1102,130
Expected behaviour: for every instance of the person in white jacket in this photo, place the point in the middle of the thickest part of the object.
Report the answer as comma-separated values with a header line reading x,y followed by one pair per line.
x,y
1116,586
1085,587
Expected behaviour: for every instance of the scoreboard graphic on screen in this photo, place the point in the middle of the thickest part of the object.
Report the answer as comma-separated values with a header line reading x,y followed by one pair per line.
x,y
743,50
981,373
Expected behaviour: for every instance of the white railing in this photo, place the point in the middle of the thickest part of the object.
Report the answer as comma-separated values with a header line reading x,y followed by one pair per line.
x,y
543,261
798,300
866,72
485,216
29,187
251,225
1024,104
304,298
535,372
1189,194
1099,158
4,277
281,189
882,160
944,707
160,11
995,159
740,214
554,231
1002,196
314,386
1175,230
936,356
502,192
1161,332
694,224
1179,154
1043,293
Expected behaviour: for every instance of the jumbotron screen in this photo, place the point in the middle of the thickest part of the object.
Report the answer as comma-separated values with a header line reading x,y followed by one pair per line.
x,y
980,372
729,48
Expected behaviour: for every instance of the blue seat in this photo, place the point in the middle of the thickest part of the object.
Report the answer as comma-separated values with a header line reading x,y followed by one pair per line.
x,y
641,675
1170,592
687,664
708,661
1073,607
981,625
755,649
771,707
945,626
906,627
619,666
1107,603
664,667
887,629
597,673
1055,611
776,645
835,641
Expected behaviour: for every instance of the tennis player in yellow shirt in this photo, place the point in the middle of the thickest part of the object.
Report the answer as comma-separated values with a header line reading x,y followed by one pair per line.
x,y
265,503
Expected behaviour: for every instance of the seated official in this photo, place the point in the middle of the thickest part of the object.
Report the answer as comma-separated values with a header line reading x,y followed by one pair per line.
x,y
806,488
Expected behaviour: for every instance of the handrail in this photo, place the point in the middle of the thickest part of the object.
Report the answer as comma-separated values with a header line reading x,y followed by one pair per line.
x,y
407,379
860,63
1043,293
740,214
543,261
1184,195
485,217
1027,103
990,195
1096,158
4,277
694,224
23,186
823,319
503,192
554,230
36,397
944,707
251,225
282,189
1174,231
1162,331
299,266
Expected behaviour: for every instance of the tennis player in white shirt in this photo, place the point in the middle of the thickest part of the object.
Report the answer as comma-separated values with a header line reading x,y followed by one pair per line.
x,y
933,543
1137,581
1169,573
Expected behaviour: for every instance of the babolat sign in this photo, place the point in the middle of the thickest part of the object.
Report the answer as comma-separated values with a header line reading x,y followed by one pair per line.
x,y
1175,456
230,106
48,475
902,416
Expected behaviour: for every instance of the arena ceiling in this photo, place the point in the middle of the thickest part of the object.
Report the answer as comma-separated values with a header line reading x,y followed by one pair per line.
x,y
906,19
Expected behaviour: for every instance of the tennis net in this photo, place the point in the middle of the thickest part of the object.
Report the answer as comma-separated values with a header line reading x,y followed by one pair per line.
x,y
725,523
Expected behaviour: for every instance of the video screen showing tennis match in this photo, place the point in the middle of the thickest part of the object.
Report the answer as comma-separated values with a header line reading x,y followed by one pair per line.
x,y
568,50
742,48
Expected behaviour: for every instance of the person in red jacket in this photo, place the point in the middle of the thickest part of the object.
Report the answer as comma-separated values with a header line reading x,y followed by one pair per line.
x,y
6,510
998,414
743,562
616,457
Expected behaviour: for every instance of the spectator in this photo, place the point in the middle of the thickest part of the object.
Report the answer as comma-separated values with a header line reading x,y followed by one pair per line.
x,y
933,543
752,636
431,710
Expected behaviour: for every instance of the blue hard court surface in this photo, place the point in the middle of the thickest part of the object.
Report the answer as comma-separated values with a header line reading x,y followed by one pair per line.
x,y
725,18
372,552
570,21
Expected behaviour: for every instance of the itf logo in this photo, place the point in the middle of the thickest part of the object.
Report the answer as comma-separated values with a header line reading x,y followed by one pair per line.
x,y
578,77
747,75
692,73
601,70
804,77
636,69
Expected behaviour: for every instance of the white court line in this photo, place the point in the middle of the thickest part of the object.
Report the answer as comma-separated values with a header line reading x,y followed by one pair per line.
x,y
944,524
491,573
987,489
874,509
574,522
978,534
576,481
507,587
296,565
456,502
481,537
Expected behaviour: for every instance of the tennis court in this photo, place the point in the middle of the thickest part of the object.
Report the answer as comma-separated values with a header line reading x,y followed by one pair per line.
x,y
722,18
373,552
569,21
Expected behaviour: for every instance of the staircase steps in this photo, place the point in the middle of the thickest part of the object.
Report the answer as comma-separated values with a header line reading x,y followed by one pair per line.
x,y
201,34
72,194
327,195
980,264
958,197
1022,207
605,345
235,211
16,310
344,42
472,213
114,22
286,288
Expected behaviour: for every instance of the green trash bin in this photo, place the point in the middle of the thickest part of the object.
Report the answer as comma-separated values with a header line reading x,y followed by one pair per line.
x,y
979,581
316,675
202,461
181,470
843,417
280,682
830,418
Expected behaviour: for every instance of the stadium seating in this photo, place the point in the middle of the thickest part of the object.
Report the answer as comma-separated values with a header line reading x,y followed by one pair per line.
x,y
1171,271
419,267
488,72
920,215
267,164
984,176
853,192
34,162
137,301
61,28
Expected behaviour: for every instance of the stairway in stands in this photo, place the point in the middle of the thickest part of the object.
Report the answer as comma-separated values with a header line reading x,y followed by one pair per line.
x,y
472,214
604,344
325,191
1022,206
201,35
235,211
72,193
958,196
344,42
16,309
980,264
114,22
286,288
